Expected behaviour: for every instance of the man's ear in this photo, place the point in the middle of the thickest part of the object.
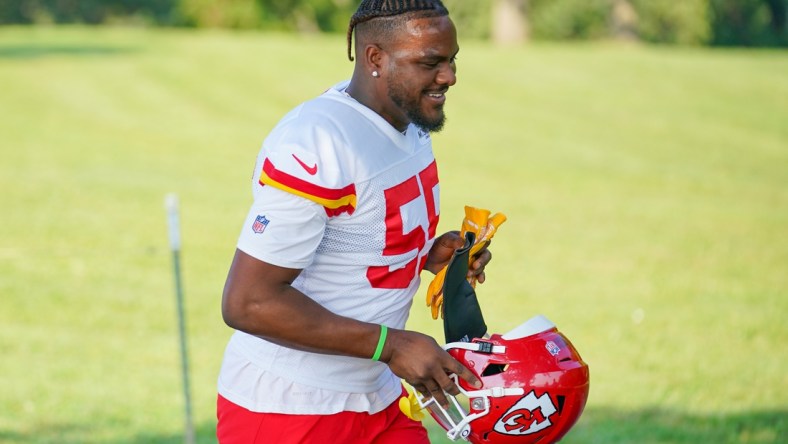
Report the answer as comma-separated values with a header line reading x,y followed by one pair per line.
x,y
374,57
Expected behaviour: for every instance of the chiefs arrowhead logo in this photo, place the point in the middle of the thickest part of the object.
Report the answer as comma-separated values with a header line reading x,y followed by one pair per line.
x,y
529,415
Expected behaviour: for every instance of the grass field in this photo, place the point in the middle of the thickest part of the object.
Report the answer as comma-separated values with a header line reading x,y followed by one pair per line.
x,y
646,189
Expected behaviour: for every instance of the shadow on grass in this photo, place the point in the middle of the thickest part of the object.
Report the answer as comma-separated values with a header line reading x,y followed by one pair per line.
x,y
598,425
205,434
23,52
102,433
608,426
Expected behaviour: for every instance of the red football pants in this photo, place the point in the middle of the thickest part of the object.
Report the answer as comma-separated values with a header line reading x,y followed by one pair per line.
x,y
238,425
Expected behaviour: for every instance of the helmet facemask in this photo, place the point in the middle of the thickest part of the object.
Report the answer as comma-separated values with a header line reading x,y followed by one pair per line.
x,y
456,419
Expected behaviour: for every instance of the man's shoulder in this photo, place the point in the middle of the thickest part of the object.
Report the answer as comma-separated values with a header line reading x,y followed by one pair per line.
x,y
332,107
321,113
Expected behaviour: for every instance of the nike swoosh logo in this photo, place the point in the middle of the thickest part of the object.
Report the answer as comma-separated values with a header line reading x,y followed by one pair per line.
x,y
312,170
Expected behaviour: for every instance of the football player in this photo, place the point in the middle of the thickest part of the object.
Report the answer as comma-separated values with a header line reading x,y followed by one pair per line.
x,y
346,205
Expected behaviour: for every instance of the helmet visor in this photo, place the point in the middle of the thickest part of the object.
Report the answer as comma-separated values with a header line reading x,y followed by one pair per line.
x,y
449,417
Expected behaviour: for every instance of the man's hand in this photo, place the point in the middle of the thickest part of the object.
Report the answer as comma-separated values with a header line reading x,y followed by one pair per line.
x,y
443,249
423,364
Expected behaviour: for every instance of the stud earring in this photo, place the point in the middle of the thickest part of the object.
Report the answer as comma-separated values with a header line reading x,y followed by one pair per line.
x,y
375,74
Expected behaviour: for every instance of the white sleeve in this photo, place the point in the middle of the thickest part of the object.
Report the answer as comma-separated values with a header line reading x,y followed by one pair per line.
x,y
282,229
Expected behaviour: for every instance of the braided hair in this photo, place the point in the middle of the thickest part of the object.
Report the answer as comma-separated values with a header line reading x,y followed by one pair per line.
x,y
373,9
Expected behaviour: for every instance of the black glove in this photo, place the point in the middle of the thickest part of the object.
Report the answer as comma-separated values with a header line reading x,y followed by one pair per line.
x,y
462,315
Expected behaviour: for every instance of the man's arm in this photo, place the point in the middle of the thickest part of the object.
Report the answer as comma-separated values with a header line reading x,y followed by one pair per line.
x,y
258,299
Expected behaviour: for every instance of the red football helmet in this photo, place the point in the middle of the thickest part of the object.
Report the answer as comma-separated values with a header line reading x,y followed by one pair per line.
x,y
535,387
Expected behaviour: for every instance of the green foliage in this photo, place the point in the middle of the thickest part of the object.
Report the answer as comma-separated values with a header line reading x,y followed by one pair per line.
x,y
718,22
238,14
569,19
333,15
308,15
13,12
669,21
86,11
473,18
659,21
749,22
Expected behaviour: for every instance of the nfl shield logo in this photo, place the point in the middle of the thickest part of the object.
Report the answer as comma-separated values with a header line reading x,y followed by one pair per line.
x,y
259,224
552,348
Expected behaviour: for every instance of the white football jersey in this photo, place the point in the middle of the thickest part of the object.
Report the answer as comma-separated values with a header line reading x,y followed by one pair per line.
x,y
344,196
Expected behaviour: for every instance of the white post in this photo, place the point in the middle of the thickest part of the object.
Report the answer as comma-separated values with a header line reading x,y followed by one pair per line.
x,y
173,224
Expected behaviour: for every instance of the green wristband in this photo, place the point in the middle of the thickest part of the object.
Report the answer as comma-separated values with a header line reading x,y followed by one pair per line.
x,y
384,331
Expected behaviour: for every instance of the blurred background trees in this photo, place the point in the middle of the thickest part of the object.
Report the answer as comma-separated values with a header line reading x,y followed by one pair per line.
x,y
692,22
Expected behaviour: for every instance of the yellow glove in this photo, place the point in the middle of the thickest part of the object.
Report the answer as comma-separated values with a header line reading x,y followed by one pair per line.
x,y
410,407
479,222
435,293
483,235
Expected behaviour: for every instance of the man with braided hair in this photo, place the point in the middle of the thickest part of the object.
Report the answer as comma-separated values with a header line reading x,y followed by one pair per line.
x,y
329,257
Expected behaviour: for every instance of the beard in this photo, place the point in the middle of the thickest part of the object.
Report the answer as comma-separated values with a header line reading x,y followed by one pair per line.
x,y
413,110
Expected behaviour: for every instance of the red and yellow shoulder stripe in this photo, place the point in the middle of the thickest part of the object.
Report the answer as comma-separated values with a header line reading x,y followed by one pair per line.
x,y
335,200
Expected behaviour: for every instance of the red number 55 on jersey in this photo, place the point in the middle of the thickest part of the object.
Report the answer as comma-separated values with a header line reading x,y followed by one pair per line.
x,y
400,242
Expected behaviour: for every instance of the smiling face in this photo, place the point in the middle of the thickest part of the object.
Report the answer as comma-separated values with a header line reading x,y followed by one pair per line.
x,y
420,68
405,66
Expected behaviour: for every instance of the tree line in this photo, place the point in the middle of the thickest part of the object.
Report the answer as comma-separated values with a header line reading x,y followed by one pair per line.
x,y
695,22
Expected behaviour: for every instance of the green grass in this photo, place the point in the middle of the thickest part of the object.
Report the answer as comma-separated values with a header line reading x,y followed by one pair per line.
x,y
646,189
